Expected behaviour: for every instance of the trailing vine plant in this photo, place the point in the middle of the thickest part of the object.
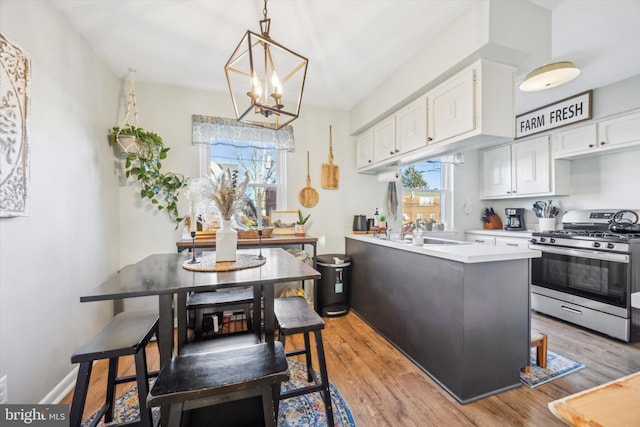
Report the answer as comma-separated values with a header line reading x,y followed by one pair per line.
x,y
161,188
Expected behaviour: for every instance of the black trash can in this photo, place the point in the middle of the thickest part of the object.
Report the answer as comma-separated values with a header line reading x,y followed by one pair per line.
x,y
333,286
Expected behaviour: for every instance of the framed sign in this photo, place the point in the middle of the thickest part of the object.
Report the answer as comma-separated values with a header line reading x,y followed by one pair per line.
x,y
283,222
562,113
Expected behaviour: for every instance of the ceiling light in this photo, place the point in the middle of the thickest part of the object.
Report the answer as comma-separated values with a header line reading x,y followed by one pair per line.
x,y
261,95
549,76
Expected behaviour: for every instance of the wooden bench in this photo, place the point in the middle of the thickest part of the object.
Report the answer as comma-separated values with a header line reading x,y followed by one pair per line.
x,y
204,379
128,333
294,315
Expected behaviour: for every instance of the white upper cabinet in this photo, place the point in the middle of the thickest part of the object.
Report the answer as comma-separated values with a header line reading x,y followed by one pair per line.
x,y
452,107
411,126
612,134
532,160
523,169
496,170
384,140
364,149
471,109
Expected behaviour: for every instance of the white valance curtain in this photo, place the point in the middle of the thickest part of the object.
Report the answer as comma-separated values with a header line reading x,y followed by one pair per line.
x,y
218,130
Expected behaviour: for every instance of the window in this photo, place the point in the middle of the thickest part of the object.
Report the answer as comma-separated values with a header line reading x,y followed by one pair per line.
x,y
265,166
426,193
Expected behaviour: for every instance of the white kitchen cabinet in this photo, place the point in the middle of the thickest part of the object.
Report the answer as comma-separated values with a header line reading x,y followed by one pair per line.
x,y
612,134
452,107
576,140
471,109
364,149
523,169
514,242
482,240
384,140
411,126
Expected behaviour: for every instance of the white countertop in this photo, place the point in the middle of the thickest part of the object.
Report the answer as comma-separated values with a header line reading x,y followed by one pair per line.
x,y
467,252
502,233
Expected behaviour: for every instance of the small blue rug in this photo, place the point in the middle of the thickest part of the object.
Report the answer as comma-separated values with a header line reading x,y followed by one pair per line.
x,y
557,366
306,410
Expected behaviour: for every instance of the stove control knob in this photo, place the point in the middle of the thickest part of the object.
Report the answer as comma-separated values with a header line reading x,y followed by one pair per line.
x,y
610,245
596,244
542,239
552,240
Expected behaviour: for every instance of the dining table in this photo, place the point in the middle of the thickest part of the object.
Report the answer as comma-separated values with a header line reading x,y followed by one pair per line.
x,y
165,276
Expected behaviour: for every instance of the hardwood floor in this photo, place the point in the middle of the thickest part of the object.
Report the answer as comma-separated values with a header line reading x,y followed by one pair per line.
x,y
383,388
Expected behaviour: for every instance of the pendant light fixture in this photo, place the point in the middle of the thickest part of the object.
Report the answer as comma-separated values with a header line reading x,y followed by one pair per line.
x,y
265,79
549,76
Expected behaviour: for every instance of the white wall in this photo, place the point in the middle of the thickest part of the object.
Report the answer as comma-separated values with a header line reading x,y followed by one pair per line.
x,y
167,110
69,242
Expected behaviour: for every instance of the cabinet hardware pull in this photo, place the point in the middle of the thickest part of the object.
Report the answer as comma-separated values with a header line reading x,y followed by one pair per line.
x,y
390,152
429,139
397,151
602,142
591,145
512,244
479,241
570,310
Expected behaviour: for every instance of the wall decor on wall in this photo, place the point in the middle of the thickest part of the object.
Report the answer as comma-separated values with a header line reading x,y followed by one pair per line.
x,y
15,74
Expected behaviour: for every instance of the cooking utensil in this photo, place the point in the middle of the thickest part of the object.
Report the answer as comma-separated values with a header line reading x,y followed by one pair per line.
x,y
308,196
621,224
330,172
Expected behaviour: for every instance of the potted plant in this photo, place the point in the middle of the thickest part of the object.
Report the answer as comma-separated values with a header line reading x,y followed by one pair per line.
x,y
145,164
300,227
383,221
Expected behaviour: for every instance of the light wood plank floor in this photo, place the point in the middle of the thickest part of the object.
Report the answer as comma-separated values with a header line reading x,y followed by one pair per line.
x,y
384,388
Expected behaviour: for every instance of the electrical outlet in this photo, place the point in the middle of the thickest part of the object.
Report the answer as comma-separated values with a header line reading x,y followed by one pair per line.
x,y
3,390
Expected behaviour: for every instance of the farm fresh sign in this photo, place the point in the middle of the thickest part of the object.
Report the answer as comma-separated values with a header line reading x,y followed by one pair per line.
x,y
562,113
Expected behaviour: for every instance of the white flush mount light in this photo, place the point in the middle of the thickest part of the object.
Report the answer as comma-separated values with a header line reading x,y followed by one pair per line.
x,y
549,76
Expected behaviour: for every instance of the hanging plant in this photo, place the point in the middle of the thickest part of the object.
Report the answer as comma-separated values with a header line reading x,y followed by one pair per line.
x,y
145,164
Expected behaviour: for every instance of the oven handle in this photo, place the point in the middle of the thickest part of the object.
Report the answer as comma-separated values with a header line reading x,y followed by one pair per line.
x,y
603,256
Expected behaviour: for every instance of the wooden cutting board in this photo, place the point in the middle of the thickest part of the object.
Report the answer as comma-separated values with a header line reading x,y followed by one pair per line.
x,y
308,196
330,172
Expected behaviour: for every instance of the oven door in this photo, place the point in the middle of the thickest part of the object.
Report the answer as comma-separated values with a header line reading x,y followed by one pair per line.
x,y
595,275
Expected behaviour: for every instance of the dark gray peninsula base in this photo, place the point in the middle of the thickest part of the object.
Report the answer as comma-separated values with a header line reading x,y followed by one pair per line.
x,y
465,324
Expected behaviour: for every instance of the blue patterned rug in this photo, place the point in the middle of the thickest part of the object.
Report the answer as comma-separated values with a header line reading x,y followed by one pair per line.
x,y
306,410
557,366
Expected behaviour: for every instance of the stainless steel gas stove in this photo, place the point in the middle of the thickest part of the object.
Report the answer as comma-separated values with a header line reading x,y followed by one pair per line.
x,y
586,274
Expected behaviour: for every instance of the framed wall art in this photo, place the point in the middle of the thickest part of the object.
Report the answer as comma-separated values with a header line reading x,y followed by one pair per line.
x,y
15,74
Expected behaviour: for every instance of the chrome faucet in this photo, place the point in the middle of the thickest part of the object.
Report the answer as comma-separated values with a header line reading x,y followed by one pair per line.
x,y
388,233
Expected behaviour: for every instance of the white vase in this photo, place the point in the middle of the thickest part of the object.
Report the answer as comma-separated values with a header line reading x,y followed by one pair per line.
x,y
226,242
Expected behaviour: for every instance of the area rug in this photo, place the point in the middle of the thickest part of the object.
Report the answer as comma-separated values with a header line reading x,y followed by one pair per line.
x,y
557,366
306,410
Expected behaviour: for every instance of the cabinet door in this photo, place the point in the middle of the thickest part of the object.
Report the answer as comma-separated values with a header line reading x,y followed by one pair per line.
x,y
513,242
384,140
482,240
619,130
452,107
364,149
411,123
573,141
496,171
531,166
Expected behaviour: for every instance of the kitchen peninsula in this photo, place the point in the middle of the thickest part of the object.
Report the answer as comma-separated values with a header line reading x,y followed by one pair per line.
x,y
460,311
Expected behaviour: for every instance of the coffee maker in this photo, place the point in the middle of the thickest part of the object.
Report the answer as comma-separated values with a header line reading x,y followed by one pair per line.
x,y
515,219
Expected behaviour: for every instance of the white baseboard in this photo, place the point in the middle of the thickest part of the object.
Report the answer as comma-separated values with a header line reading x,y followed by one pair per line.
x,y
61,390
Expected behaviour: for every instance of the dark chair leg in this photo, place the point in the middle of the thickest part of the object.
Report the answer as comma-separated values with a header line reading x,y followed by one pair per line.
x,y
326,392
80,394
267,406
307,355
247,315
111,389
197,329
142,379
275,394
